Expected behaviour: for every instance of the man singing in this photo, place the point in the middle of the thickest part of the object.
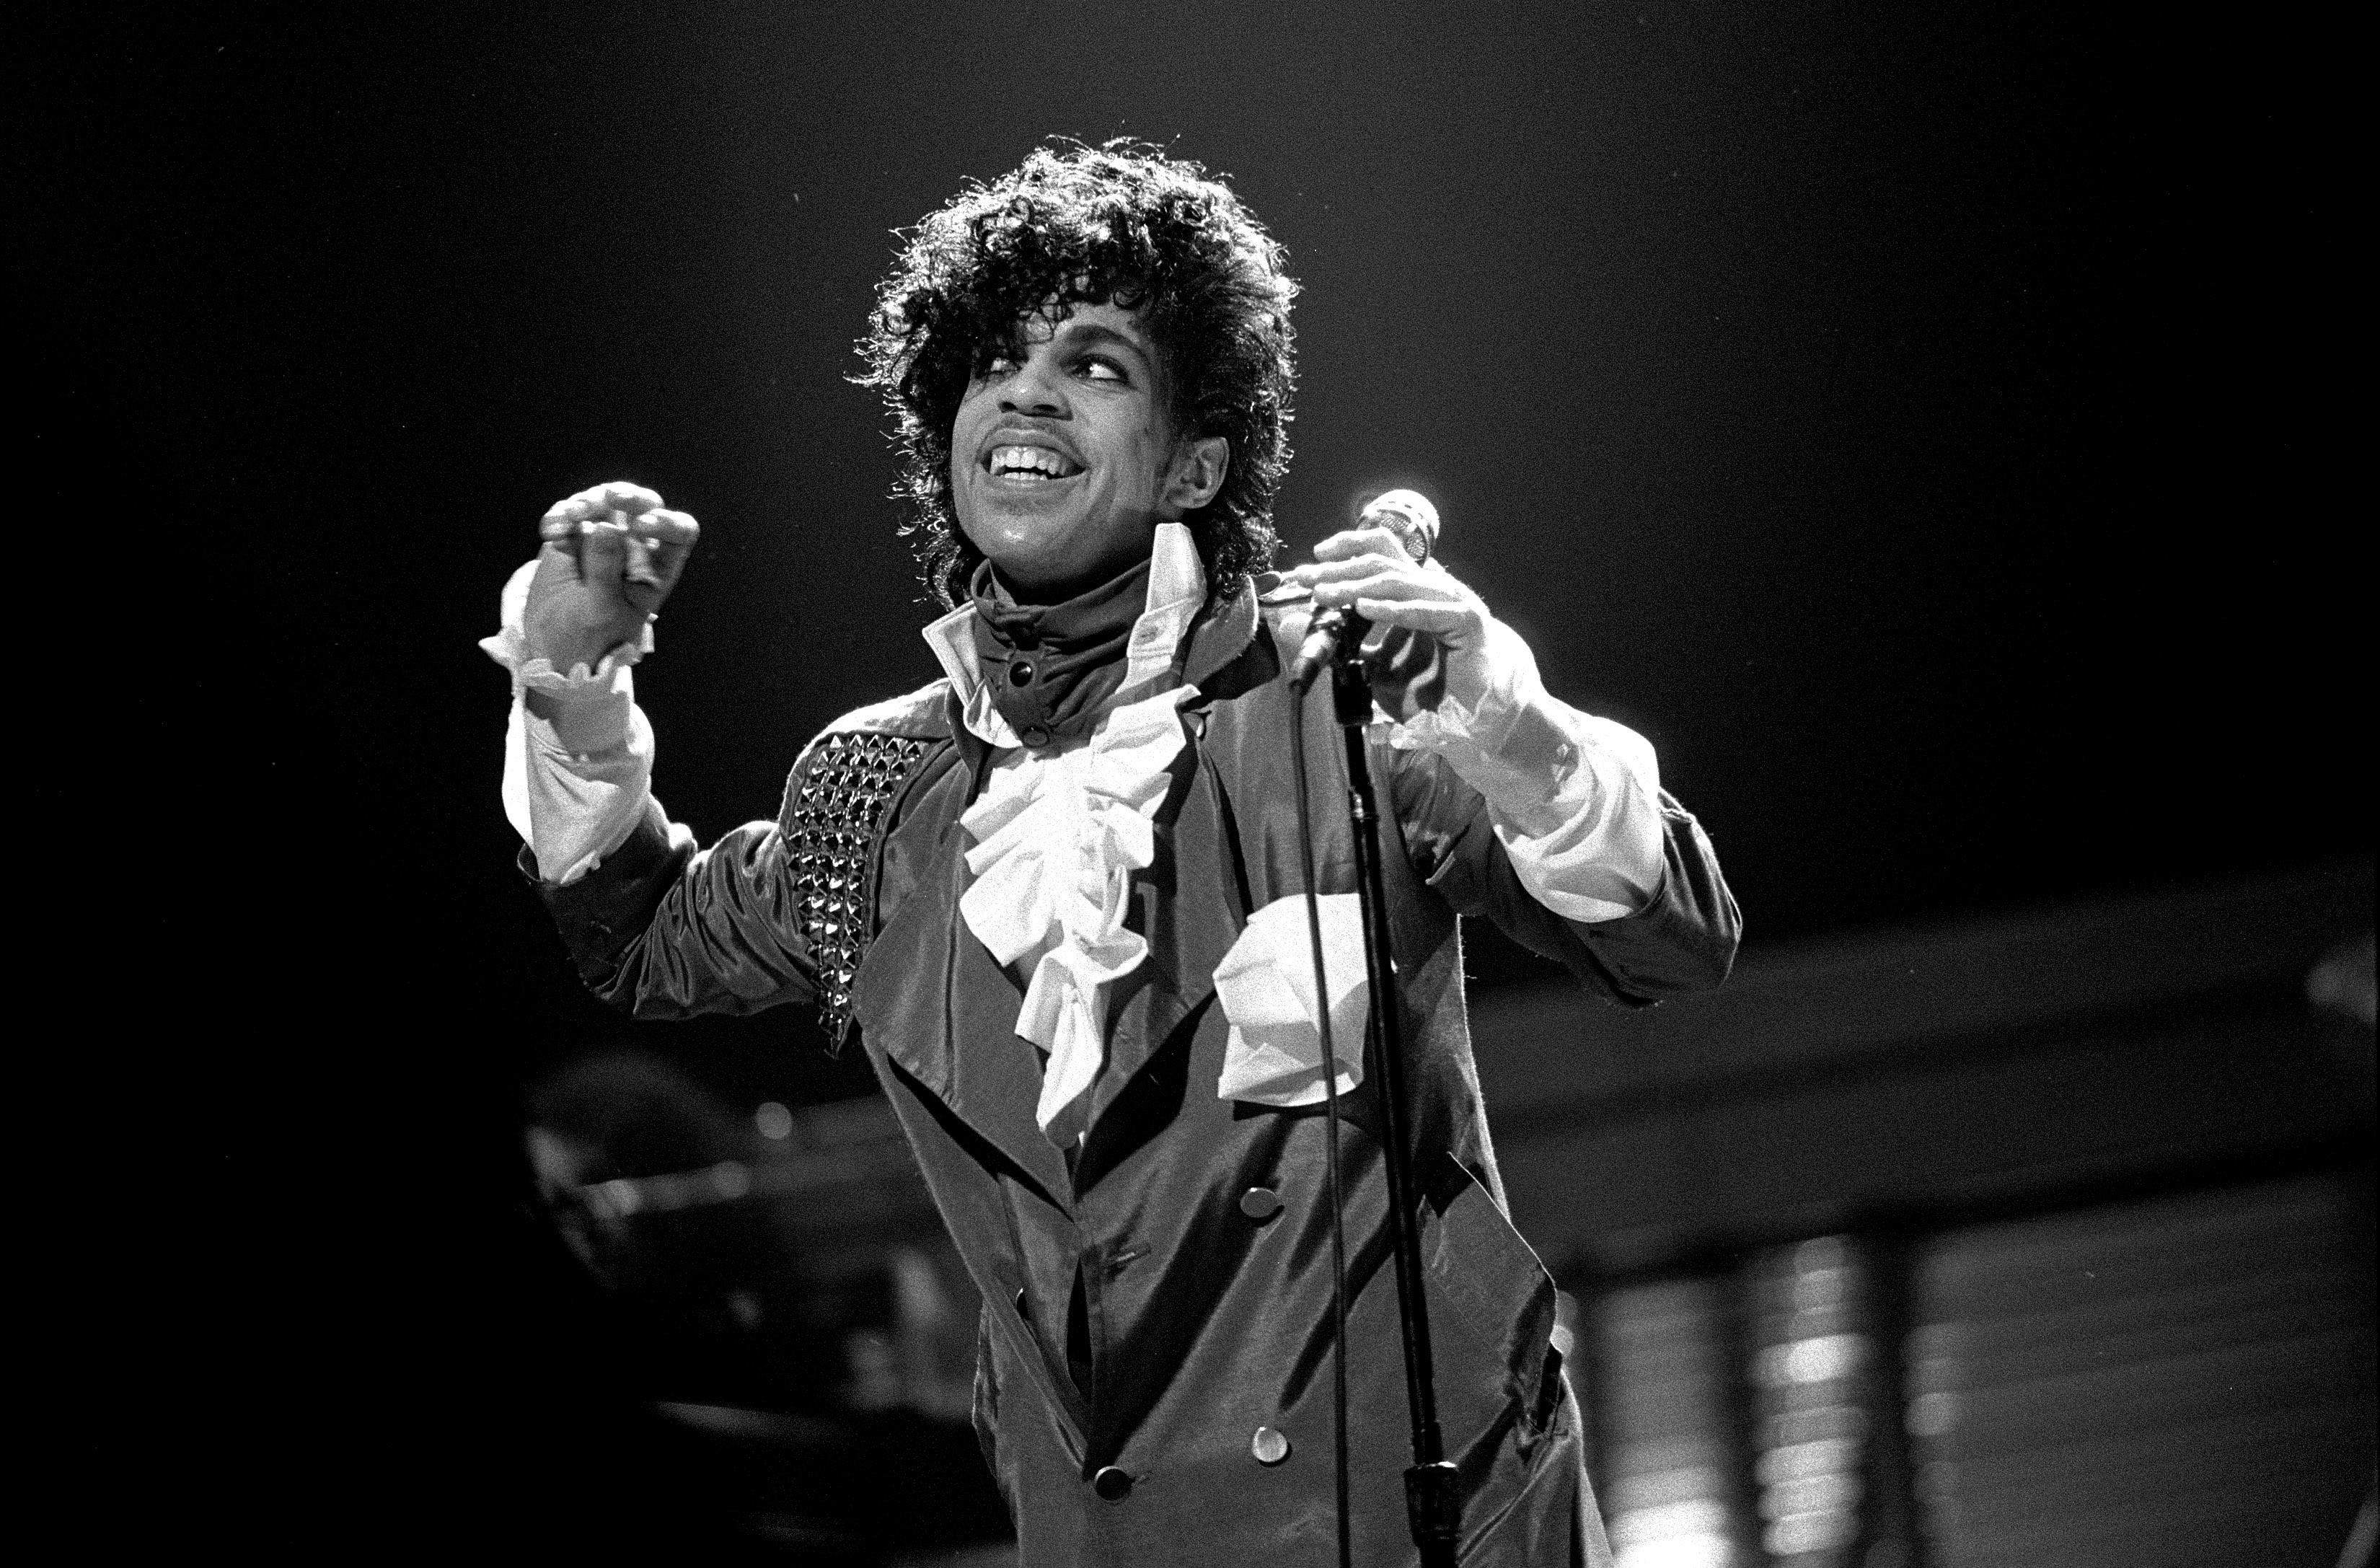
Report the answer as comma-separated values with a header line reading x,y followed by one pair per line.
x,y
1058,893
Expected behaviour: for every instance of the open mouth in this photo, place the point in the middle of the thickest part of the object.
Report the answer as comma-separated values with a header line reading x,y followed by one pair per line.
x,y
1032,465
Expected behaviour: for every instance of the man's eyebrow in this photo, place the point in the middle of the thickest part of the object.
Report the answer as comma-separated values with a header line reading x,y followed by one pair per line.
x,y
1095,331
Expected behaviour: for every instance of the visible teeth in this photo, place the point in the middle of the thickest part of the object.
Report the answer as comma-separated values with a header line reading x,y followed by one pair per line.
x,y
1030,460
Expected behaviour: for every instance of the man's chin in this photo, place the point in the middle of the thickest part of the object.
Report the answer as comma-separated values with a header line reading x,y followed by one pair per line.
x,y
1040,504
1014,523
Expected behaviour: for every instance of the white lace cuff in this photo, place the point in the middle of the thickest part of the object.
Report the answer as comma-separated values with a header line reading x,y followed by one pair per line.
x,y
1485,695
1575,800
574,786
579,691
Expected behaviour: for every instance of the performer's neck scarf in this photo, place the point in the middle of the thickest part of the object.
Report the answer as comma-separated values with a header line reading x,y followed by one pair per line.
x,y
1051,668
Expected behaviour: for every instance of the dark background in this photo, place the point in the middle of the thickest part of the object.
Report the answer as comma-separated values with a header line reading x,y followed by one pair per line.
x,y
1923,423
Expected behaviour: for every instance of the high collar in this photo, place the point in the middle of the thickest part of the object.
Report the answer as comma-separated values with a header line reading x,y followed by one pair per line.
x,y
1053,667
1092,619
1177,590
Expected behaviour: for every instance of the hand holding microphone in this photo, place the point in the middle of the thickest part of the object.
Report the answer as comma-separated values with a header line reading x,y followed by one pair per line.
x,y
1382,573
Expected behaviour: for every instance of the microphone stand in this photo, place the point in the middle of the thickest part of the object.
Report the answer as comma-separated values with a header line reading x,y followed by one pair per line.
x,y
1433,1503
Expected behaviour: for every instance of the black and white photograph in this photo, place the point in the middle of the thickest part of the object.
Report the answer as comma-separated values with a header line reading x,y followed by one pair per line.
x,y
939,785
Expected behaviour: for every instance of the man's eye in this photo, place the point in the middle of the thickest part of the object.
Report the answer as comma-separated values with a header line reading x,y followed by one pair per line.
x,y
1102,369
999,365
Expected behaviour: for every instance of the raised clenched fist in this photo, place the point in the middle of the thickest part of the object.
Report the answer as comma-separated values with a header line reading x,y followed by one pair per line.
x,y
608,558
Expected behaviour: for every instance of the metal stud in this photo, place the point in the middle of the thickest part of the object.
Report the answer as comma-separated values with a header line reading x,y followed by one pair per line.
x,y
846,785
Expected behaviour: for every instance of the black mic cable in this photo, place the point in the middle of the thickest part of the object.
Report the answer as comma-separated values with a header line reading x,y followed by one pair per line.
x,y
1330,1135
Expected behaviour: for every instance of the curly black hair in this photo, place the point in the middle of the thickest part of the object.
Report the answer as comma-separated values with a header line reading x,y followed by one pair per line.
x,y
1121,222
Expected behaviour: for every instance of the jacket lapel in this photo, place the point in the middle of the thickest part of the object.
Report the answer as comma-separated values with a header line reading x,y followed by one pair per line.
x,y
1246,750
927,984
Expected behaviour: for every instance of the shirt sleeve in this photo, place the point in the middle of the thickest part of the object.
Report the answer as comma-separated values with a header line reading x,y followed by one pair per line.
x,y
575,785
1574,799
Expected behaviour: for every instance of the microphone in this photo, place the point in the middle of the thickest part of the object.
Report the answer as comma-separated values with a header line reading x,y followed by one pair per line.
x,y
1407,515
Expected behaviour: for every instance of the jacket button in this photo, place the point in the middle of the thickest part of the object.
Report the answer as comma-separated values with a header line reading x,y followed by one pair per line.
x,y
1020,1301
1112,1484
1020,673
1260,1204
1035,735
1269,1446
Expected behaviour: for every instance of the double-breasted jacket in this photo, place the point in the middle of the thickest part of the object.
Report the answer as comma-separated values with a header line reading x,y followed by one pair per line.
x,y
1161,1293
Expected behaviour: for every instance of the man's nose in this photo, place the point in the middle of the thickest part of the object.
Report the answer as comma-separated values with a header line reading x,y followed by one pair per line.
x,y
1035,389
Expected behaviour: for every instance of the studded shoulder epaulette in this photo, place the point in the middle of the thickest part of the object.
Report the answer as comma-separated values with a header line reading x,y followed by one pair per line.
x,y
834,805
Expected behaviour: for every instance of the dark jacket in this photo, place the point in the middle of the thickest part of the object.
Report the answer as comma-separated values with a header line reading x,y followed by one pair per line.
x,y
1141,1320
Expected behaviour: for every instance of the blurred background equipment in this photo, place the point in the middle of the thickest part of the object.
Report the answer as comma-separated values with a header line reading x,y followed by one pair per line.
x,y
779,1303
2038,1240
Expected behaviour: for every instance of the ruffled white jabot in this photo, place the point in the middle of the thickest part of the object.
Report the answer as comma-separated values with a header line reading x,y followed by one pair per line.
x,y
1056,846
1058,835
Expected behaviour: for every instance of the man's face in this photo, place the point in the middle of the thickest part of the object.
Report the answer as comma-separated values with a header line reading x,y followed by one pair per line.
x,y
1063,462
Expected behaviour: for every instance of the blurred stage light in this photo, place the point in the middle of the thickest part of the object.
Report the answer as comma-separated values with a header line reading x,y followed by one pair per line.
x,y
1662,1390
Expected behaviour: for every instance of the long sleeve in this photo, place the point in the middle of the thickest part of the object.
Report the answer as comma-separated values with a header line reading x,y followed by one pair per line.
x,y
1552,823
1574,799
652,924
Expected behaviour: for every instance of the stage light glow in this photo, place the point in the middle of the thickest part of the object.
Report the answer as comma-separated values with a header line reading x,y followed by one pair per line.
x,y
1679,1551
1662,1402
1814,1370
1824,1358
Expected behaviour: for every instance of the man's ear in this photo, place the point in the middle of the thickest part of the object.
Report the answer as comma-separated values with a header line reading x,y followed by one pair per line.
x,y
1199,464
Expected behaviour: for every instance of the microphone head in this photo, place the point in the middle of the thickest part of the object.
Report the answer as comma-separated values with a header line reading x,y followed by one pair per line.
x,y
1408,515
